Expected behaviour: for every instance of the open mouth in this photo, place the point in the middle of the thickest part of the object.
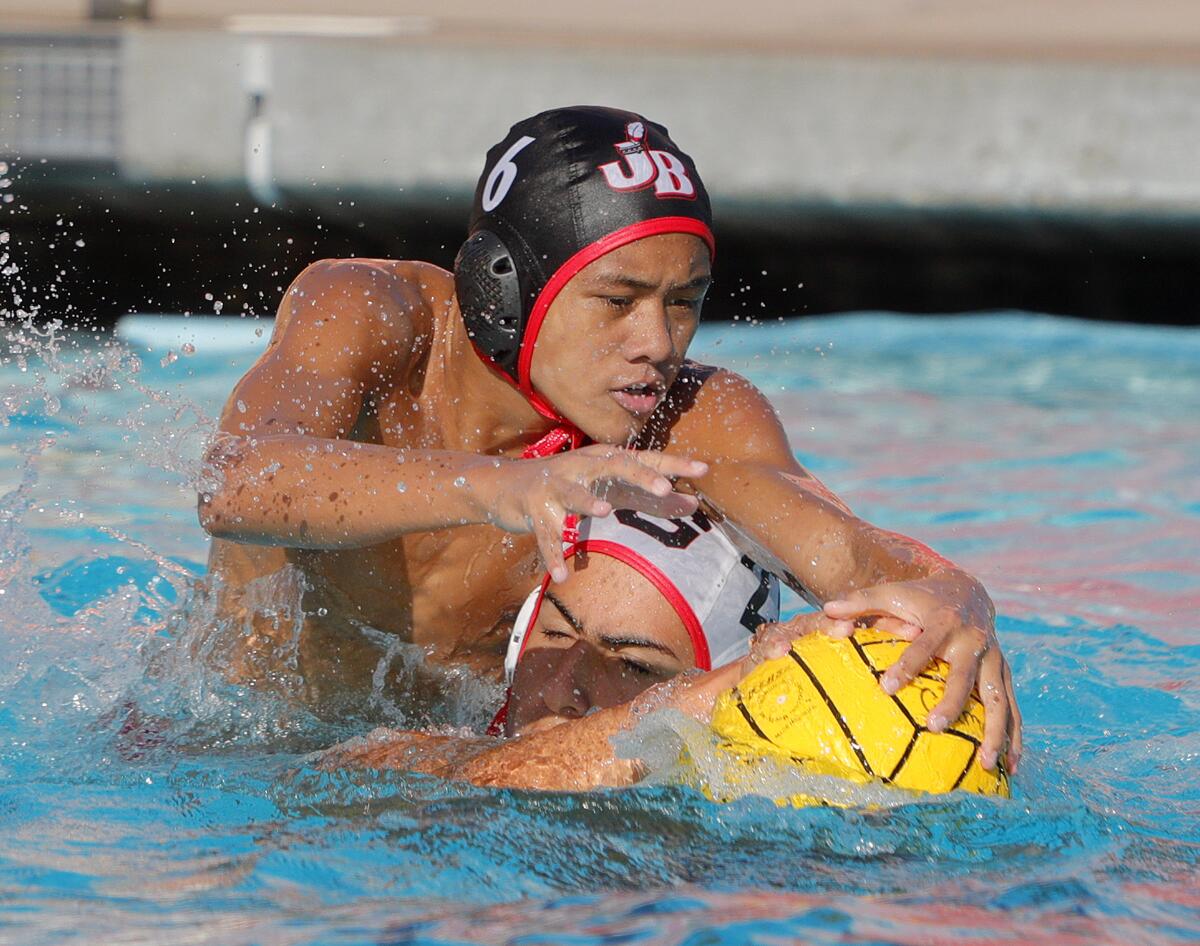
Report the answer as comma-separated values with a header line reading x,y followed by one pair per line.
x,y
639,398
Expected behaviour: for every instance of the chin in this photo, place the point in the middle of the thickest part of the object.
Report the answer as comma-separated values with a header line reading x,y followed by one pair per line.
x,y
620,429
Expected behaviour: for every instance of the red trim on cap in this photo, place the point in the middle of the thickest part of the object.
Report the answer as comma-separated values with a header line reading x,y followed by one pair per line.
x,y
537,609
496,726
491,362
665,587
653,574
553,441
589,254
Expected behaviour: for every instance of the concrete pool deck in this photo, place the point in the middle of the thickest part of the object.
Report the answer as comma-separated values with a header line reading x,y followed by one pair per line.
x,y
1110,30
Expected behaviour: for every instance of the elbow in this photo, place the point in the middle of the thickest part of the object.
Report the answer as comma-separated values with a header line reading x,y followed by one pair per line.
x,y
214,502
214,515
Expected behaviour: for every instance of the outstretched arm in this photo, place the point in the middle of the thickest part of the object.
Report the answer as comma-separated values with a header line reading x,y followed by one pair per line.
x,y
854,569
575,755
284,469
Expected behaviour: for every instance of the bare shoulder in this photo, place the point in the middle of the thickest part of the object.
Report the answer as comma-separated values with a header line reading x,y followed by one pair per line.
x,y
347,331
394,300
712,411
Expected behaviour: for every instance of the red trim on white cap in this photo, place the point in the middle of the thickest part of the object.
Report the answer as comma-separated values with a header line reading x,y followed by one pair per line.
x,y
665,587
638,563
568,271
496,726
537,609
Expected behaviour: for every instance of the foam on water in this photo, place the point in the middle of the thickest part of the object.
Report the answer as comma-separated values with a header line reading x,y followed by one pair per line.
x,y
146,799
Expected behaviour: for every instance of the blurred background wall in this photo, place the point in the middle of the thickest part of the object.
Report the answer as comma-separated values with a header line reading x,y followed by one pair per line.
x,y
914,155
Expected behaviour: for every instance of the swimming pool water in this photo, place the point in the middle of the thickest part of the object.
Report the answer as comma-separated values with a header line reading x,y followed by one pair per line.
x,y
142,800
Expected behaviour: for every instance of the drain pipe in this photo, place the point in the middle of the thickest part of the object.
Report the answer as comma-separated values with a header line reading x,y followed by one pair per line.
x,y
256,80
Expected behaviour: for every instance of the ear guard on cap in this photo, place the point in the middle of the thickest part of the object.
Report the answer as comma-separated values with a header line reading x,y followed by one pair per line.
x,y
488,288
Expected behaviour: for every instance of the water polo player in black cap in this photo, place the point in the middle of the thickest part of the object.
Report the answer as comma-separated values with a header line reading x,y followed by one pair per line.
x,y
590,181
404,419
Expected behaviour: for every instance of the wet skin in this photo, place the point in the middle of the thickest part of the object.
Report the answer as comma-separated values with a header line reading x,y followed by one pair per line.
x,y
370,382
600,638
374,352
604,647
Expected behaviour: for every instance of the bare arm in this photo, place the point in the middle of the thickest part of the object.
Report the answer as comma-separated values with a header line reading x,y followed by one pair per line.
x,y
576,755
285,471
853,568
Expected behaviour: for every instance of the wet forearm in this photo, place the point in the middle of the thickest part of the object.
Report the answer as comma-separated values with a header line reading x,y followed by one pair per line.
x,y
573,756
309,492
579,754
821,543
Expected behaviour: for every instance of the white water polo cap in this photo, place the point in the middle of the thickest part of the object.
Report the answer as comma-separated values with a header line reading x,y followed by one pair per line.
x,y
720,595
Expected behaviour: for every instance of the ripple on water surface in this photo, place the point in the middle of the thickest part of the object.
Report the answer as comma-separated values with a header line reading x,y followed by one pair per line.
x,y
146,800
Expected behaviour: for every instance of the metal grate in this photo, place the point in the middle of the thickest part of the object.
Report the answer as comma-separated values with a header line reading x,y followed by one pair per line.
x,y
59,96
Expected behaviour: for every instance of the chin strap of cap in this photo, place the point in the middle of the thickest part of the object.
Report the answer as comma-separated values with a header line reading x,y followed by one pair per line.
x,y
564,437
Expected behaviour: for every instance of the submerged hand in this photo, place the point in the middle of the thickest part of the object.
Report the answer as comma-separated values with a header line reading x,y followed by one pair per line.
x,y
951,617
537,495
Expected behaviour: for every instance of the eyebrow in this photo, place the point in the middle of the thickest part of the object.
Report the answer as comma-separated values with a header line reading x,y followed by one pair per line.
x,y
566,612
615,641
632,282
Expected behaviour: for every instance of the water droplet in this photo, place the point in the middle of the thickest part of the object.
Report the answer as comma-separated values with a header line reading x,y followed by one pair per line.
x,y
401,487
460,482
188,348
241,406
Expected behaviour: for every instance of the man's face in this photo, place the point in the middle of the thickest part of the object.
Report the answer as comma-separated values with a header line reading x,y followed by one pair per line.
x,y
601,638
616,334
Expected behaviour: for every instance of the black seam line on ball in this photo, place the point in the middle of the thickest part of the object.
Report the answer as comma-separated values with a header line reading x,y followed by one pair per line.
x,y
753,723
894,697
963,774
834,712
750,719
912,744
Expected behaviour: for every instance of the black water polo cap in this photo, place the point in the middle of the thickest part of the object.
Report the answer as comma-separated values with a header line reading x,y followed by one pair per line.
x,y
561,190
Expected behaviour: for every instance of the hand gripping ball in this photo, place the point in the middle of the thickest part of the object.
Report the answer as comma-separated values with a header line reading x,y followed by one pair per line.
x,y
821,709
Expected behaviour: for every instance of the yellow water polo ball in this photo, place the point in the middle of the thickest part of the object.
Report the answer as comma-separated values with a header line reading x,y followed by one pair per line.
x,y
821,709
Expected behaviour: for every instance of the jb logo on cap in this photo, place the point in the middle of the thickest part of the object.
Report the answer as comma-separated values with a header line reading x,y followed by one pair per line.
x,y
640,166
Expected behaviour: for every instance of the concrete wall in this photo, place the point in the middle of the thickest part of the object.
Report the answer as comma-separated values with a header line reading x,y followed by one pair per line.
x,y
392,114
876,177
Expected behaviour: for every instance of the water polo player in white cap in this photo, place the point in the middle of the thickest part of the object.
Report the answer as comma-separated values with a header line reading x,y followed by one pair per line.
x,y
646,600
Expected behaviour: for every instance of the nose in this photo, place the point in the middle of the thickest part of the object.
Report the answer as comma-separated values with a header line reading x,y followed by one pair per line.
x,y
564,693
650,339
